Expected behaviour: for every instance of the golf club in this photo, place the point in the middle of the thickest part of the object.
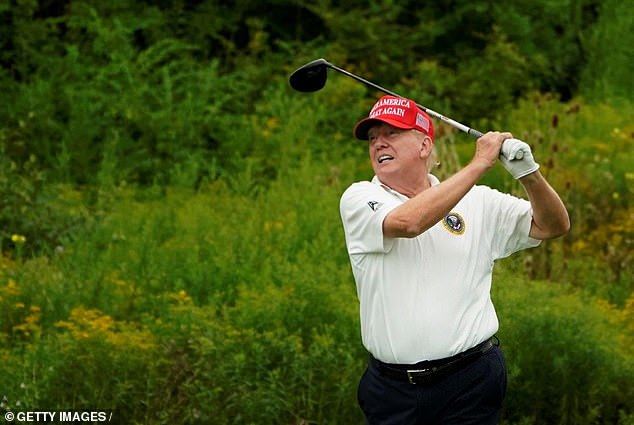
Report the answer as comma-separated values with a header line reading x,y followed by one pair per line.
x,y
312,77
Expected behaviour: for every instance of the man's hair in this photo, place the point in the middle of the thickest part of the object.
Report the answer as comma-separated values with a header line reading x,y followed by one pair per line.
x,y
432,161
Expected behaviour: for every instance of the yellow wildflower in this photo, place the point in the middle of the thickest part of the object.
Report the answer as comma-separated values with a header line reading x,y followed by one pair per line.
x,y
181,297
18,239
11,288
87,324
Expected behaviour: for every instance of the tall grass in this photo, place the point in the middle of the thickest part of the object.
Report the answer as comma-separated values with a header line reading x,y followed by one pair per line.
x,y
585,150
234,303
224,308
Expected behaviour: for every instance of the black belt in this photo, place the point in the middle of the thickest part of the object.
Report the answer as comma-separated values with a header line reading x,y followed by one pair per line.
x,y
427,371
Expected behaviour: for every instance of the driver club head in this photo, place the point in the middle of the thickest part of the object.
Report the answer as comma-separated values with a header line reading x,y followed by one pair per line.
x,y
310,77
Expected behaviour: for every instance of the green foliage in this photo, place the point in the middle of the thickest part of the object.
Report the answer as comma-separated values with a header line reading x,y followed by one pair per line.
x,y
490,52
548,35
169,205
610,57
35,216
587,160
237,306
101,103
218,301
110,92
570,358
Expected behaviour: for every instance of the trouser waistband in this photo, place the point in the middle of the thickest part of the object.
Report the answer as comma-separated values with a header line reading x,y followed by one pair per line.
x,y
426,371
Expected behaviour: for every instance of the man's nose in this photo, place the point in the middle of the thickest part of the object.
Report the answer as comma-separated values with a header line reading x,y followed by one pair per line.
x,y
380,140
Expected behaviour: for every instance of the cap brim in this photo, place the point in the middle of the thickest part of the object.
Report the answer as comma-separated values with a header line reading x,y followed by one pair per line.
x,y
361,129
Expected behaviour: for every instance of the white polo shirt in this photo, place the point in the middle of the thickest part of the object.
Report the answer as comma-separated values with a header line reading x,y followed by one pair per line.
x,y
428,297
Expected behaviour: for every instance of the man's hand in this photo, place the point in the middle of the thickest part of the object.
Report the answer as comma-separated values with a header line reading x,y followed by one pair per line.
x,y
509,157
488,148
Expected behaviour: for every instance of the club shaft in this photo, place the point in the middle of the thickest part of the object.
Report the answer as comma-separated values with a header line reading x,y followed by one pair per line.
x,y
473,132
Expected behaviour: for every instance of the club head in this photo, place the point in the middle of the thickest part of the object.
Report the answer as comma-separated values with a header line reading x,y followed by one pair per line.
x,y
310,77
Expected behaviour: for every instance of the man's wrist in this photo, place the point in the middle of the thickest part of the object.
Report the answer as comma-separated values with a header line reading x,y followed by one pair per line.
x,y
530,179
480,165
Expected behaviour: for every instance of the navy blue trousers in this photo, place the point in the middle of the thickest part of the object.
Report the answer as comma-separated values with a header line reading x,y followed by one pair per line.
x,y
470,395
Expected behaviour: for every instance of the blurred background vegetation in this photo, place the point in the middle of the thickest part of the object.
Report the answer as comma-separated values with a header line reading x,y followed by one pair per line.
x,y
171,244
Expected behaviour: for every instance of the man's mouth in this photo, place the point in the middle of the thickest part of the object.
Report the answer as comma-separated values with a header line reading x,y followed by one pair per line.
x,y
384,158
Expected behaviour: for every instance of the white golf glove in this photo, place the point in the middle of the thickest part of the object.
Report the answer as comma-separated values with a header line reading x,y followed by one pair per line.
x,y
517,158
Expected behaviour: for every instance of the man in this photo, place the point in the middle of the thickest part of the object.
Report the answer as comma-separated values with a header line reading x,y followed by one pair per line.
x,y
422,256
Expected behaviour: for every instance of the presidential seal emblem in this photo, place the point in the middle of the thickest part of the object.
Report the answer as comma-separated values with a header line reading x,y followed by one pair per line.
x,y
454,223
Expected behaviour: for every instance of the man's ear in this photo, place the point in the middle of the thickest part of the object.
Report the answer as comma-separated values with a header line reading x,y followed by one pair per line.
x,y
426,145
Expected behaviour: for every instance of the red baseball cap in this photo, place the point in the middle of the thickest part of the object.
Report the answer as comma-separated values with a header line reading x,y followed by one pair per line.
x,y
397,111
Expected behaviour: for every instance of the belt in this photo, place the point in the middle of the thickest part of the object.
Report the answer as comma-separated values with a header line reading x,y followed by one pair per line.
x,y
428,371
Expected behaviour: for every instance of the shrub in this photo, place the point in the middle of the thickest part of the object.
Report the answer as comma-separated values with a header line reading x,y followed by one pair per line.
x,y
610,60
570,358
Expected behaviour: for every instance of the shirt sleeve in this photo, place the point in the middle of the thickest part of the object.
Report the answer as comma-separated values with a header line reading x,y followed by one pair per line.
x,y
363,207
512,218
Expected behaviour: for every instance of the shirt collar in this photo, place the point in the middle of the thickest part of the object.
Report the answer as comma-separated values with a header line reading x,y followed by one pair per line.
x,y
433,180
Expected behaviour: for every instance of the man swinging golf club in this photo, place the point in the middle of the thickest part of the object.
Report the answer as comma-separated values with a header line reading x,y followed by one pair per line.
x,y
422,254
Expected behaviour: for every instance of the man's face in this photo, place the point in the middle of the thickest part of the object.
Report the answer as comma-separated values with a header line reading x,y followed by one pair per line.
x,y
393,149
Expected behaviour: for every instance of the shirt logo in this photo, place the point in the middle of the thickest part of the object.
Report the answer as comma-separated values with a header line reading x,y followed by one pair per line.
x,y
454,223
374,205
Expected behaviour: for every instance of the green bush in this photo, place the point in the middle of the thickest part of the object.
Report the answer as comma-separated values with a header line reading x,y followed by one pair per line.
x,y
239,307
36,216
610,59
570,358
232,373
269,306
588,162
